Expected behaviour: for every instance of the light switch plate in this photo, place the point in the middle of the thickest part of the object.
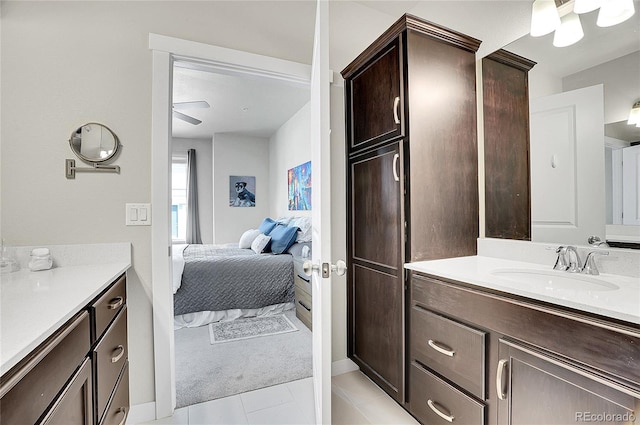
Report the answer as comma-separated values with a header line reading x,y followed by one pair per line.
x,y
138,214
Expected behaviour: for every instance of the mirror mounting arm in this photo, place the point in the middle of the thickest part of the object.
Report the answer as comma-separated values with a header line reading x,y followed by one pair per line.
x,y
71,169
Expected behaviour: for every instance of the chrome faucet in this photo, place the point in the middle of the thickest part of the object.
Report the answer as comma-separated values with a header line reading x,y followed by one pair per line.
x,y
590,263
597,242
561,261
574,260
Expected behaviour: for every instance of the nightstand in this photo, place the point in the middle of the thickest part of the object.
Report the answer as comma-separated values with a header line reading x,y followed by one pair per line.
x,y
303,297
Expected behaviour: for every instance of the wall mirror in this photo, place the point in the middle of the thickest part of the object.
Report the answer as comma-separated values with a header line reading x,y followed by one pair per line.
x,y
94,144
572,186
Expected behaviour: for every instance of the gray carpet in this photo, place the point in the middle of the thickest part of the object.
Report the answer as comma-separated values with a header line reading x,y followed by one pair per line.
x,y
206,371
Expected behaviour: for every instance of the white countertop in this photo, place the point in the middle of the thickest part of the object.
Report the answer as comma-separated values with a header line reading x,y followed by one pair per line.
x,y
35,304
622,303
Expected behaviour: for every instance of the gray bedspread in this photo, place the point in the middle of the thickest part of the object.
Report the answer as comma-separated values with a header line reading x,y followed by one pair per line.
x,y
223,277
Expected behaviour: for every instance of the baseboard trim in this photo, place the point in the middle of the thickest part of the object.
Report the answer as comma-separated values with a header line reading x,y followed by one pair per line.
x,y
140,413
343,366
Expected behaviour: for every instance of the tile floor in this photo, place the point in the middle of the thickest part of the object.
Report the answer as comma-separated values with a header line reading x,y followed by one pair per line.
x,y
355,400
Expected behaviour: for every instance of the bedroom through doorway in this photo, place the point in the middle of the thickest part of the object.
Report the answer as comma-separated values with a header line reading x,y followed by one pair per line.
x,y
236,326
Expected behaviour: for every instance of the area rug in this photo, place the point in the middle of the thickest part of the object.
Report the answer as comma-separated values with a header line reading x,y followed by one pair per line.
x,y
206,371
251,327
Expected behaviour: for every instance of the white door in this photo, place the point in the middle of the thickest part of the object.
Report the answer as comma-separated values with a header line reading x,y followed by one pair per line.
x,y
567,166
631,185
321,213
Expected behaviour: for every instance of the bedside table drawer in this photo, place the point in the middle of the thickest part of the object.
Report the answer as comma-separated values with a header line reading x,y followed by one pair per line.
x,y
304,302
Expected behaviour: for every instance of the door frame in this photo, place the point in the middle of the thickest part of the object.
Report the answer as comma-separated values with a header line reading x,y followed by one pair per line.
x,y
165,51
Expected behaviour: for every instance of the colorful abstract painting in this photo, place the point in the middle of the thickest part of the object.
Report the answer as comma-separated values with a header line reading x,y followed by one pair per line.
x,y
299,179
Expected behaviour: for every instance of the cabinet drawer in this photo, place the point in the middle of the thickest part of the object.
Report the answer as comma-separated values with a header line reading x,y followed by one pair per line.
x,y
109,356
105,308
452,349
303,305
118,409
28,391
74,406
432,400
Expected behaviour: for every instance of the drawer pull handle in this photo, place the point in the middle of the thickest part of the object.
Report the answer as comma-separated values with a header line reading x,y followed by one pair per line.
x,y
396,103
432,405
500,387
122,410
115,303
117,357
304,305
440,349
396,175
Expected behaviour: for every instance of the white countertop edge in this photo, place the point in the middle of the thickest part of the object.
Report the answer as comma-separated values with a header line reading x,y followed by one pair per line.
x,y
16,357
462,269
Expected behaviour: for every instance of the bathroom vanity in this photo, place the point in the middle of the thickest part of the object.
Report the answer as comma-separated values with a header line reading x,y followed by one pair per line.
x,y
486,347
64,345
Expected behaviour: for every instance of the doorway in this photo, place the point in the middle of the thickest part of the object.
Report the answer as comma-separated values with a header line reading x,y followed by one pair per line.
x,y
166,50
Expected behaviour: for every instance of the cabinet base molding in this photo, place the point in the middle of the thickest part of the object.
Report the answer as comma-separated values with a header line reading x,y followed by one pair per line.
x,y
144,412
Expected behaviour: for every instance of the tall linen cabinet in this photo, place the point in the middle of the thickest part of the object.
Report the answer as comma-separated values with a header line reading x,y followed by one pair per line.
x,y
412,180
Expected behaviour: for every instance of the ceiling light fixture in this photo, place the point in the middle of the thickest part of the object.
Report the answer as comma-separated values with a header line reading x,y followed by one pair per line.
x,y
634,115
569,32
613,12
586,6
544,17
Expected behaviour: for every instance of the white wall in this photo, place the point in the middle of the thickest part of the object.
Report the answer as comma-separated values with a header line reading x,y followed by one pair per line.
x,y
204,169
67,63
237,155
621,85
289,147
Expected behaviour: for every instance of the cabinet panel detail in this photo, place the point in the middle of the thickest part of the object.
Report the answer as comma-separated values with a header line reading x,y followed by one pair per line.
x,y
74,406
377,325
375,98
46,373
452,349
434,401
376,209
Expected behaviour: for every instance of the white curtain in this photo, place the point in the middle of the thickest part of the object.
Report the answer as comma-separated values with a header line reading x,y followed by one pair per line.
x,y
193,222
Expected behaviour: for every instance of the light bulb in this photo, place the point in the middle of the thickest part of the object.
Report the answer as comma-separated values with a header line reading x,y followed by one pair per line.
x,y
569,32
585,6
544,17
613,12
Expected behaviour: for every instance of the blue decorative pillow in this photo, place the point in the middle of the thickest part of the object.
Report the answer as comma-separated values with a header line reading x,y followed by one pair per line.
x,y
282,237
267,226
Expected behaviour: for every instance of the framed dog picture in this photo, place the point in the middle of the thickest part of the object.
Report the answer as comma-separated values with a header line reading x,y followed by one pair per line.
x,y
242,191
299,179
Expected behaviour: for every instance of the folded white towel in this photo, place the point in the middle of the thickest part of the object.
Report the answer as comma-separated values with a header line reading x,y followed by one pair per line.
x,y
40,252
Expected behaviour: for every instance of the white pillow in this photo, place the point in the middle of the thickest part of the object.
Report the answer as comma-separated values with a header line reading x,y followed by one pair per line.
x,y
305,232
247,238
260,243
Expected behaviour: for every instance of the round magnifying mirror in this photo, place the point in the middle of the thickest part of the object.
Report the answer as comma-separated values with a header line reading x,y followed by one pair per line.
x,y
94,143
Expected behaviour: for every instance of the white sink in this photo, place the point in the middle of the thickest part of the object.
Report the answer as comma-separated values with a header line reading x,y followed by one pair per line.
x,y
554,279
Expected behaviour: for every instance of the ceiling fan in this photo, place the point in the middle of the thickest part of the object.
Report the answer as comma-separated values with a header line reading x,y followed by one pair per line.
x,y
199,104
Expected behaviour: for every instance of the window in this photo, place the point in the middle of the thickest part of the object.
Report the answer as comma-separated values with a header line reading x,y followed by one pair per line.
x,y
179,198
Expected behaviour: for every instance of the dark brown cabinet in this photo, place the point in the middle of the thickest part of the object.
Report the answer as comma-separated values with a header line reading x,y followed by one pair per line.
x,y
506,145
537,389
77,372
536,363
412,188
375,108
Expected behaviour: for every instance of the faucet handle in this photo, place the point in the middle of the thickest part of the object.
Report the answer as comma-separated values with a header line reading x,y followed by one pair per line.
x,y
561,261
590,263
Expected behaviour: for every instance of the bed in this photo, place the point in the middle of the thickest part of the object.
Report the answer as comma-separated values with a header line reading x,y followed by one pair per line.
x,y
225,277
226,282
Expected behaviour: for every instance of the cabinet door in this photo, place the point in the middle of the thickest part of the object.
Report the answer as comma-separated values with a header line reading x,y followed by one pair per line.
x,y
74,406
376,285
540,389
374,100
